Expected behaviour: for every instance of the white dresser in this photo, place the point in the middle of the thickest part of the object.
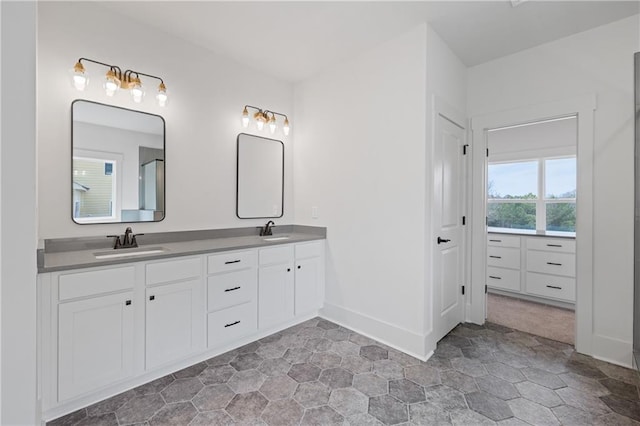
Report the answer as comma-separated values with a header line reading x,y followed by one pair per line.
x,y
533,267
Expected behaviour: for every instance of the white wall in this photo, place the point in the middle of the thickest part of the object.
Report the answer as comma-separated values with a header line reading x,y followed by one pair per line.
x,y
598,61
18,217
207,93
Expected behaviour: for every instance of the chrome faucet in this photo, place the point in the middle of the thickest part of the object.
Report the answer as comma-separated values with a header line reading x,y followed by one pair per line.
x,y
267,229
128,239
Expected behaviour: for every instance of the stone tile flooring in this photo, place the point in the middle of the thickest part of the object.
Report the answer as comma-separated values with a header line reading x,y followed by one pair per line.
x,y
318,373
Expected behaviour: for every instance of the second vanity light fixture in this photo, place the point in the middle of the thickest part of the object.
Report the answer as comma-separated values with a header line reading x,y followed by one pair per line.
x,y
263,117
116,79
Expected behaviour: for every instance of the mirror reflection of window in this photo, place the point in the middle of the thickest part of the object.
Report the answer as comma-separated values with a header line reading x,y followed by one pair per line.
x,y
111,147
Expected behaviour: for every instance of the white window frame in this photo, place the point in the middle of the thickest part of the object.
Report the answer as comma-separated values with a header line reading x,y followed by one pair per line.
x,y
116,190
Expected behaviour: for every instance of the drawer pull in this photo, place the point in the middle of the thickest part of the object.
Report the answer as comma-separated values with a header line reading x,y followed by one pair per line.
x,y
232,289
554,245
229,262
496,241
496,257
232,324
554,264
495,278
554,286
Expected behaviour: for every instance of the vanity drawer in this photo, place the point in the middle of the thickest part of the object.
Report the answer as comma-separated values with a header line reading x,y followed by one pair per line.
x,y
230,324
82,284
280,254
231,261
503,257
551,263
173,270
557,245
306,250
551,286
503,240
508,279
231,288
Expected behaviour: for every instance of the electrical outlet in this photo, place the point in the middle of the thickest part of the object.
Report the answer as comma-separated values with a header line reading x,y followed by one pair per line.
x,y
314,212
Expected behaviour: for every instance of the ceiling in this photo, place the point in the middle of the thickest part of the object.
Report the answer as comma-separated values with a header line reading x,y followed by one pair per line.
x,y
295,40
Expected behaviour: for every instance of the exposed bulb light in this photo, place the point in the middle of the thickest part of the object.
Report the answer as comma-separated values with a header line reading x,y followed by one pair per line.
x,y
162,96
245,118
137,91
111,83
272,123
260,120
285,127
79,77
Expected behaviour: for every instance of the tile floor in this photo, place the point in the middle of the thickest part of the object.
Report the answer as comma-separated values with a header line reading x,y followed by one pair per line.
x,y
318,373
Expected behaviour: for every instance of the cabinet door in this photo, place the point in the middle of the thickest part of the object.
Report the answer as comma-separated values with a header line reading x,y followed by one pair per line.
x,y
275,294
171,318
307,284
95,342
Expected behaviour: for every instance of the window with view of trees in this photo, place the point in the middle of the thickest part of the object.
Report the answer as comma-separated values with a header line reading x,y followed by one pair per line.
x,y
538,194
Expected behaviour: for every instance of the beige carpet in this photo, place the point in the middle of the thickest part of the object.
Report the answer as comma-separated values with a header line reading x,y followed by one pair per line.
x,y
535,318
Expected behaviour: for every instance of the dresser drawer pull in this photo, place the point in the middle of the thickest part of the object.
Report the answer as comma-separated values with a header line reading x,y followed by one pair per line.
x,y
554,264
232,289
496,257
495,278
232,324
232,261
554,286
554,245
496,241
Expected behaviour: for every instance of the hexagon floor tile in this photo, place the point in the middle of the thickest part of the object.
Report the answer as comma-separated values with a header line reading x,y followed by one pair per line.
x,y
320,373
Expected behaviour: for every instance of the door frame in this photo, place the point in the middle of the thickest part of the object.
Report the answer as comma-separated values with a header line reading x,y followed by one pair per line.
x,y
583,107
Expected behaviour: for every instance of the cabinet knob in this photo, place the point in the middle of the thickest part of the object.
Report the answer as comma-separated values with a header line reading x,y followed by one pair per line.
x,y
127,302
152,298
299,266
288,269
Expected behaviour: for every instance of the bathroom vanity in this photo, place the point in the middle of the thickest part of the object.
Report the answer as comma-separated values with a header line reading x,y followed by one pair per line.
x,y
108,324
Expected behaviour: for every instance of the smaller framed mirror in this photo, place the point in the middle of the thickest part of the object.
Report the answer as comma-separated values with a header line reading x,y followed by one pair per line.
x,y
118,164
260,177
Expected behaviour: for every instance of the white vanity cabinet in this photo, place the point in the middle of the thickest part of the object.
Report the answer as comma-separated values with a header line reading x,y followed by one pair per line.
x,y
174,313
95,334
309,277
276,286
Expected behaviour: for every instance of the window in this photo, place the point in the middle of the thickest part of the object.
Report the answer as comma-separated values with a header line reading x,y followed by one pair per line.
x,y
537,194
94,189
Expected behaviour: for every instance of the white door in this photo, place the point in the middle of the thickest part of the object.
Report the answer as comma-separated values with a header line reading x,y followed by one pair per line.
x,y
275,294
307,280
447,219
171,318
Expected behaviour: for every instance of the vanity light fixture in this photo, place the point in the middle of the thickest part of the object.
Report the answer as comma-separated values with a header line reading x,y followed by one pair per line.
x,y
116,79
262,117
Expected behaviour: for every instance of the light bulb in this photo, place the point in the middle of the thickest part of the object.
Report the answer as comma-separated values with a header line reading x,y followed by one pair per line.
x,y
137,91
272,124
111,83
245,118
79,77
260,120
162,96
285,128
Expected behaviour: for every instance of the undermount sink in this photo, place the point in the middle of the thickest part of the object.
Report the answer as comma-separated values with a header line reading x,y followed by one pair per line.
x,y
128,252
276,238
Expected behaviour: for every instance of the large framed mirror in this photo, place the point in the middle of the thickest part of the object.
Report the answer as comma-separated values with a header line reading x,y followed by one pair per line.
x,y
260,177
118,164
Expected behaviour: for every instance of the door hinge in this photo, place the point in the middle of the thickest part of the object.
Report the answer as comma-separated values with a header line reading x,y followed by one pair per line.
x,y
464,149
463,290
486,289
464,220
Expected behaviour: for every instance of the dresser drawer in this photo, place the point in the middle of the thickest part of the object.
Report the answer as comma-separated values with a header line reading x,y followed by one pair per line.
x,y
503,257
231,288
551,286
173,270
551,263
232,261
503,240
557,245
280,254
507,279
230,324
81,284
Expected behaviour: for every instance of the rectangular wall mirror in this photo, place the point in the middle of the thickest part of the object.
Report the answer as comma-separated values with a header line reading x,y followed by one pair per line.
x,y
118,164
260,178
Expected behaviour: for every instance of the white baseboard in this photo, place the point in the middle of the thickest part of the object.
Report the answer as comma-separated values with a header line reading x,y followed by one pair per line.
x,y
390,334
612,350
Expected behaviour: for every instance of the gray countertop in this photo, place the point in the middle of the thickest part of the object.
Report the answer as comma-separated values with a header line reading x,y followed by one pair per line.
x,y
65,254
